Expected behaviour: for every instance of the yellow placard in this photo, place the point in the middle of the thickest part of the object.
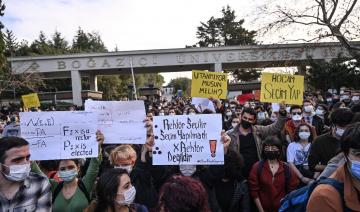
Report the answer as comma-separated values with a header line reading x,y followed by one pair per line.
x,y
209,84
31,100
279,88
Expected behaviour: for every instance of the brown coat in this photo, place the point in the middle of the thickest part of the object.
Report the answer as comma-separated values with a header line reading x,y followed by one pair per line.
x,y
327,198
259,132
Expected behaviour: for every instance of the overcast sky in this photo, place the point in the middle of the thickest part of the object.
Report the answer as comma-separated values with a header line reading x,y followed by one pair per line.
x,y
127,24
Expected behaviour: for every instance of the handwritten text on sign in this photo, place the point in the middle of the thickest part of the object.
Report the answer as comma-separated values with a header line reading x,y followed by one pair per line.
x,y
277,88
191,139
120,121
209,84
60,135
31,100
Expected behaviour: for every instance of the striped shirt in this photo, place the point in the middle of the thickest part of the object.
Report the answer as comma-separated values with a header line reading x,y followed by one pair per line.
x,y
33,195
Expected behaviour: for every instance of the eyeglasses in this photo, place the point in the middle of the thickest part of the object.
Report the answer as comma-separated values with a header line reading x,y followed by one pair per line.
x,y
298,113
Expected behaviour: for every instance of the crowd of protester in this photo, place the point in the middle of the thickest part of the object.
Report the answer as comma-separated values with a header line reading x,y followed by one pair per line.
x,y
268,154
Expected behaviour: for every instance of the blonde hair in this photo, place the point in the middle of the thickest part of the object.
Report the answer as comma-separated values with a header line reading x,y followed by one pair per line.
x,y
122,153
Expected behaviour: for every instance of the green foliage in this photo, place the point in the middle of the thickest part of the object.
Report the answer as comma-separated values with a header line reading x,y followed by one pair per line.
x,y
227,31
87,42
334,74
181,83
113,87
224,31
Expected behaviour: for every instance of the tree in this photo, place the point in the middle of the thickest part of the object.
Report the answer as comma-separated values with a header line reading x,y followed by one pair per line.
x,y
181,83
11,44
9,80
224,31
333,74
87,42
59,44
320,19
227,31
41,46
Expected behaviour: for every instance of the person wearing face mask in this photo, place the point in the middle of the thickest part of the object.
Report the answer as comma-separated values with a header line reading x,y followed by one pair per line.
x,y
261,114
73,193
355,98
125,157
13,128
296,119
247,138
345,97
297,154
20,189
115,193
311,118
326,197
271,179
327,146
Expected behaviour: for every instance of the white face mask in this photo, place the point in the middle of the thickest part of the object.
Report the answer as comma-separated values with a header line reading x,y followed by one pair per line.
x,y
308,109
128,168
355,98
339,132
68,175
234,124
261,116
129,196
161,114
171,114
17,173
319,112
187,170
192,113
296,117
304,135
229,113
273,118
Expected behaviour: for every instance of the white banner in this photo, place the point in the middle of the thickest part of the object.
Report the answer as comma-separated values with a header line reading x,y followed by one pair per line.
x,y
188,139
60,135
121,122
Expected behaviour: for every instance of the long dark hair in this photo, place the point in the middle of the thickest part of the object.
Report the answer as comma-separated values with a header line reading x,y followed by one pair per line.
x,y
106,189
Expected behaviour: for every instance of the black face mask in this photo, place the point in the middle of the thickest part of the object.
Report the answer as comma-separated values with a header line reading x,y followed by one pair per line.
x,y
271,155
245,124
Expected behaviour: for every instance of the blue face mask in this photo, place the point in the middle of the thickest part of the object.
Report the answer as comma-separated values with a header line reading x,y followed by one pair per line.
x,y
355,169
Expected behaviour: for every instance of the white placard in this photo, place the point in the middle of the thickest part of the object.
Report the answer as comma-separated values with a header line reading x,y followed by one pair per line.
x,y
60,135
275,107
202,103
188,139
121,122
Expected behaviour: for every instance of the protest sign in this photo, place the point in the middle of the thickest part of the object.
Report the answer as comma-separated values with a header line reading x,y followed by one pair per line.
x,y
31,100
209,84
60,135
279,88
202,104
188,140
120,121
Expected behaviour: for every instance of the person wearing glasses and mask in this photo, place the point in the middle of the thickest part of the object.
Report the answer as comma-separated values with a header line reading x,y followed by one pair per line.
x,y
296,119
247,137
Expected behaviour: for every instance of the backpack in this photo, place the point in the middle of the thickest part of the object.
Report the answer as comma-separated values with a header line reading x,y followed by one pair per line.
x,y
287,174
297,200
81,186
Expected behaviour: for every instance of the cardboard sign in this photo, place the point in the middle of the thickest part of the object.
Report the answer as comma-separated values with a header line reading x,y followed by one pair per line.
x,y
188,140
60,135
209,84
31,100
121,122
282,87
